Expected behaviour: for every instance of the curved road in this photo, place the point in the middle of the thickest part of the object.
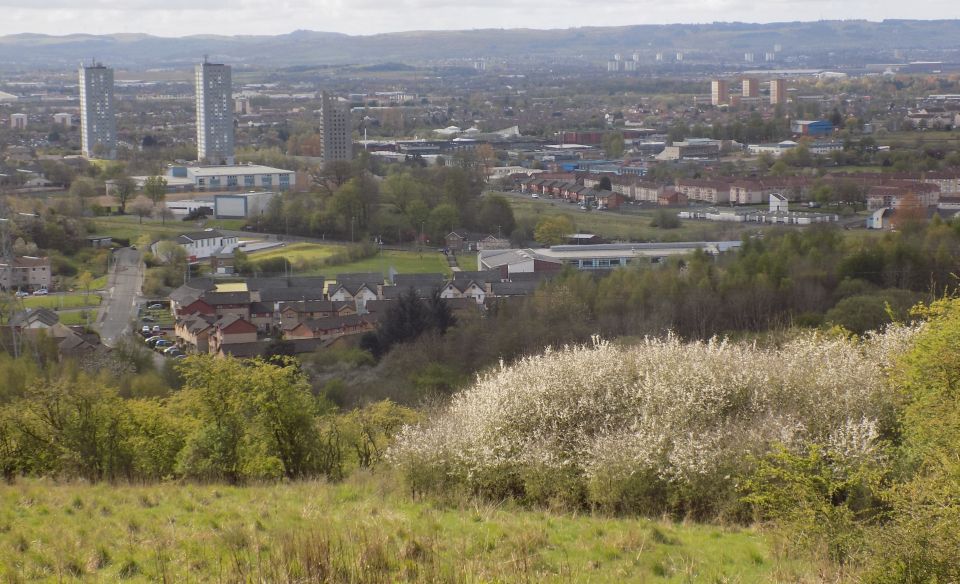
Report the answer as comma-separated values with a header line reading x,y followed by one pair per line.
x,y
119,308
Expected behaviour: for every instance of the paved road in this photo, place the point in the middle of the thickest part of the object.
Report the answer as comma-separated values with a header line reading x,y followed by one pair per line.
x,y
119,306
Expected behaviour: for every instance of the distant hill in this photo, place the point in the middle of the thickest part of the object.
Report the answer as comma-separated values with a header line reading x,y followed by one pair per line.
x,y
726,40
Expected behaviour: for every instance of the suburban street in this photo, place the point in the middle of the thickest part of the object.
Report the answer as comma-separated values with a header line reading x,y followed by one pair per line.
x,y
119,306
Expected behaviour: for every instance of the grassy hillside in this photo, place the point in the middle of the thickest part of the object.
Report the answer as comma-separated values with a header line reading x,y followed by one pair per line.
x,y
358,531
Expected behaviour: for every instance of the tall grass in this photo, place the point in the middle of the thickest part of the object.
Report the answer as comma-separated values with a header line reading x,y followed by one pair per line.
x,y
359,531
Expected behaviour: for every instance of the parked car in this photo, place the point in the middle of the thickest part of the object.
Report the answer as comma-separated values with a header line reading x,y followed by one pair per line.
x,y
148,318
155,306
22,293
171,351
156,329
133,247
40,292
151,341
535,196
162,343
145,329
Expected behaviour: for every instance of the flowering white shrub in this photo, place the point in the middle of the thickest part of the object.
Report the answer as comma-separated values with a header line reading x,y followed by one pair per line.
x,y
665,411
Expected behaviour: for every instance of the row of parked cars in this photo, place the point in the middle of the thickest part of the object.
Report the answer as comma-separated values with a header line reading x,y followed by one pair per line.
x,y
38,292
162,345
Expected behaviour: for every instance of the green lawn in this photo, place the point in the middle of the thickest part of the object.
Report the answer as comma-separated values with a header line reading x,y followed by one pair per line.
x,y
56,301
78,317
363,530
632,226
128,227
99,283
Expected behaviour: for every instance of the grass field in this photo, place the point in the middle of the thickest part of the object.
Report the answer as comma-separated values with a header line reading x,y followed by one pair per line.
x,y
298,252
627,226
55,301
78,317
360,531
405,262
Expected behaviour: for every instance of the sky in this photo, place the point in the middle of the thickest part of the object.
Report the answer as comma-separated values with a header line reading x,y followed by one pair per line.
x,y
267,17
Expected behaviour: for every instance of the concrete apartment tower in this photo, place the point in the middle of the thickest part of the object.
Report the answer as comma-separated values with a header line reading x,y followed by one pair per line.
x,y
719,92
751,87
335,129
98,124
778,91
214,114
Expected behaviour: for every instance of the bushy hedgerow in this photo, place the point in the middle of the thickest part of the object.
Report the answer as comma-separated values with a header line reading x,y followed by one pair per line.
x,y
661,427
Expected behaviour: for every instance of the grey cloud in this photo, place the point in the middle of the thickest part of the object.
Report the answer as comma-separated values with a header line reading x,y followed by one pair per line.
x,y
183,17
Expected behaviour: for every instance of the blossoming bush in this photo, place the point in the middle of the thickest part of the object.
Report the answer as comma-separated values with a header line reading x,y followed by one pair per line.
x,y
661,427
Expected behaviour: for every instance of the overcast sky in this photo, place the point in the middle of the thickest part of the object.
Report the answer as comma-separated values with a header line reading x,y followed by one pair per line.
x,y
185,17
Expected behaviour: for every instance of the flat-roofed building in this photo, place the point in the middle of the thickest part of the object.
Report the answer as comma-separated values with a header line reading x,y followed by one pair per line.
x,y
234,177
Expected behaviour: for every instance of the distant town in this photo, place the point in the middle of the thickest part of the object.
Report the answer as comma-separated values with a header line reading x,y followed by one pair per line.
x,y
507,174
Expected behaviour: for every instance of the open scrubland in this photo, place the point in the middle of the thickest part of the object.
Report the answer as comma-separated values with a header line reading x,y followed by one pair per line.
x,y
806,456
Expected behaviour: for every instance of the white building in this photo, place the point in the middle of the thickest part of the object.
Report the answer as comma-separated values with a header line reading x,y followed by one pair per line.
x,y
241,205
98,125
779,203
200,244
18,121
63,119
214,90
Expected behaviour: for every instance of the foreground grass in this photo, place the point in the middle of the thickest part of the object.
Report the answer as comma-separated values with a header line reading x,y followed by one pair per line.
x,y
361,531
